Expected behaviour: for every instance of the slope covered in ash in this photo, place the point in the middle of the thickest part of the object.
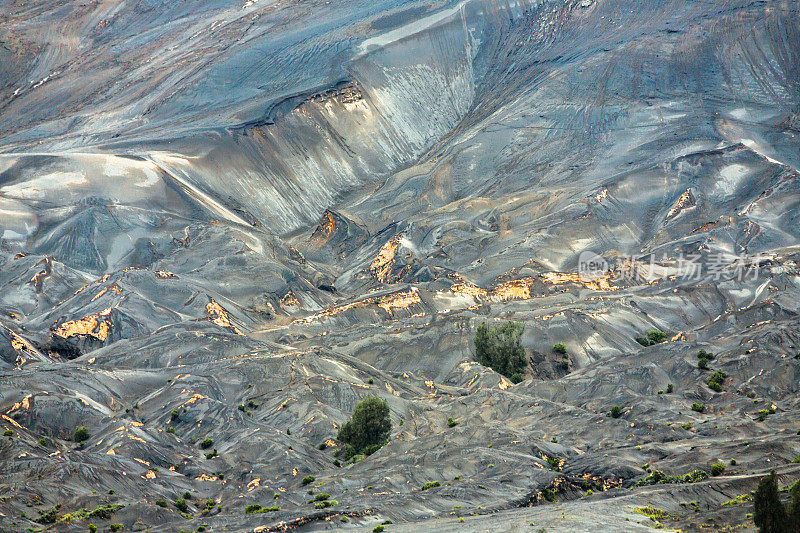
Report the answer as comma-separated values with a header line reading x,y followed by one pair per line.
x,y
232,221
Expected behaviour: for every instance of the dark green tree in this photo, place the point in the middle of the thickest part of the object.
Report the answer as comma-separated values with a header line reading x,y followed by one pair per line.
x,y
769,514
369,427
794,506
500,349
81,434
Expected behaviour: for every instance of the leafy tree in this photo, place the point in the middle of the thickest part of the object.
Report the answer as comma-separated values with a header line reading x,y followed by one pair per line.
x,y
369,427
81,434
500,349
769,514
794,506
615,412
654,336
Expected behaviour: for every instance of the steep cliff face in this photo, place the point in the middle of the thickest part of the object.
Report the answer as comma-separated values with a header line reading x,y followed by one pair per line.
x,y
220,220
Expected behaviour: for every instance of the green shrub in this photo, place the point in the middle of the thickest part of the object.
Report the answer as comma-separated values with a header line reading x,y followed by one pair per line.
x,y
81,434
181,505
615,412
796,459
702,354
733,462
716,380
325,503
92,528
116,527
255,508
654,336
698,407
308,479
212,454
206,443
162,503
49,516
8,433
451,422
171,430
44,442
430,485
702,364
670,388
553,462
560,347
717,468
764,413
105,511
500,348
660,478
378,529
368,428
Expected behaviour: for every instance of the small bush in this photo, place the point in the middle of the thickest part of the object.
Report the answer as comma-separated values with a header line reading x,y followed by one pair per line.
x,y
212,454
698,407
44,442
615,412
560,347
49,516
171,430
764,413
702,354
733,462
181,505
162,503
308,479
702,364
430,485
670,388
717,379
116,527
8,433
81,434
717,468
255,508
378,529
206,443
654,336
92,528
451,422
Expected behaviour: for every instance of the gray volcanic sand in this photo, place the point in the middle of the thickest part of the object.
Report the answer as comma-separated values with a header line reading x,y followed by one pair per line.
x,y
239,219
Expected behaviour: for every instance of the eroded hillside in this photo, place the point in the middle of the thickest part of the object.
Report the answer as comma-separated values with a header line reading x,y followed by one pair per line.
x,y
235,220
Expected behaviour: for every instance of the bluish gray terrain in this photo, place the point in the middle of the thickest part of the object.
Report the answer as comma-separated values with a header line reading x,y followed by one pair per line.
x,y
235,220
